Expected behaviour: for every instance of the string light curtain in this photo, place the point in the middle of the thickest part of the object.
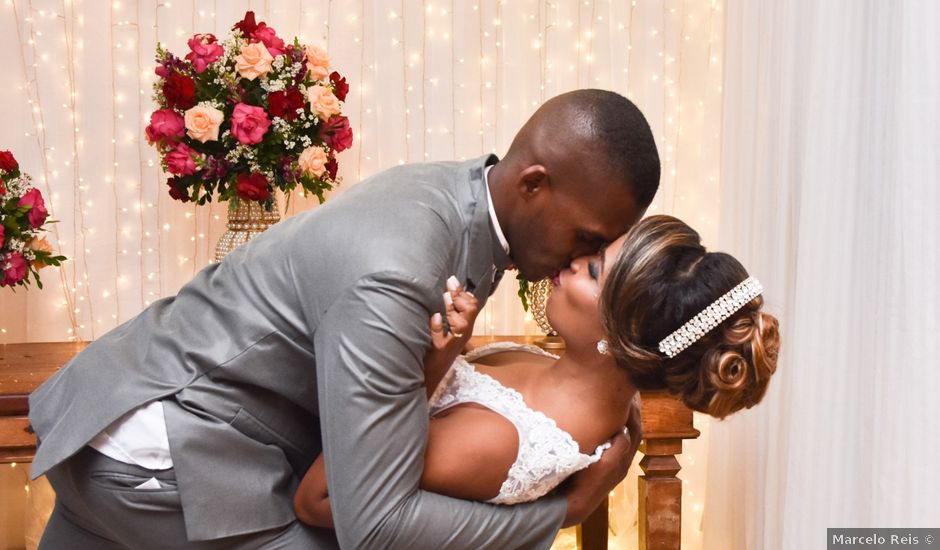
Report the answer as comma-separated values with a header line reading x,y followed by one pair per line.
x,y
431,80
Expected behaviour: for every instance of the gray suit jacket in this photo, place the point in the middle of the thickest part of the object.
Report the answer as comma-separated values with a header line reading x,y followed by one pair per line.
x,y
309,337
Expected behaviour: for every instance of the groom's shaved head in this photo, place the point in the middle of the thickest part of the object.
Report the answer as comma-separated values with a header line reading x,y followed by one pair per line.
x,y
578,174
596,127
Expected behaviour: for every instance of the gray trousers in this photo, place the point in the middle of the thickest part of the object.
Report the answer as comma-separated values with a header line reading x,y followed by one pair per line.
x,y
98,507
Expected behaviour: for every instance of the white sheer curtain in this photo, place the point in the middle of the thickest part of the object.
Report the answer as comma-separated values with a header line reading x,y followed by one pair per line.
x,y
829,195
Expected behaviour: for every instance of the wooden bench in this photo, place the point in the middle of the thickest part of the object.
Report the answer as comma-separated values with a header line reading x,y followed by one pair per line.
x,y
666,422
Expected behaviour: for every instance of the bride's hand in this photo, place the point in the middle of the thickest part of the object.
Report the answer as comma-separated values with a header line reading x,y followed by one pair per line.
x,y
461,308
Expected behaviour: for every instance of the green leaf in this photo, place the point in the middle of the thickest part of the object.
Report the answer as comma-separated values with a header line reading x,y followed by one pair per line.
x,y
523,291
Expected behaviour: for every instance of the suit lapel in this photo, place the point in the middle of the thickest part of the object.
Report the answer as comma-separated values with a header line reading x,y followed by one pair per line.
x,y
485,256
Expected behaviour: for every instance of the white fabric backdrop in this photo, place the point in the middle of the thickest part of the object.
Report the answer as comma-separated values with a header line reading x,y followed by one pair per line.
x,y
430,80
829,194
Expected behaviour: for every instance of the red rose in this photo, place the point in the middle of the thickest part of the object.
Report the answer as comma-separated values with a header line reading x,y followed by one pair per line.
x,y
269,38
205,51
340,87
253,187
13,269
7,162
178,190
179,91
37,207
3,190
331,167
285,104
247,25
337,134
2,231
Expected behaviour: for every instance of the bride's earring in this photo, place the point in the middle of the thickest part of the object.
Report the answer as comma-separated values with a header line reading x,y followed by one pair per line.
x,y
602,347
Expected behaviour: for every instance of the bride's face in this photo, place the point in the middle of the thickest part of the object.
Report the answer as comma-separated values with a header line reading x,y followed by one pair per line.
x,y
572,307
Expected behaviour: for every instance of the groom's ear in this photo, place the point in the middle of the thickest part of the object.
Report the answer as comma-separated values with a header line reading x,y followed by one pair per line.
x,y
533,180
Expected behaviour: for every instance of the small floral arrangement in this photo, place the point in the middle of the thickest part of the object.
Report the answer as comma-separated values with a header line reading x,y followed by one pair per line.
x,y
249,115
22,214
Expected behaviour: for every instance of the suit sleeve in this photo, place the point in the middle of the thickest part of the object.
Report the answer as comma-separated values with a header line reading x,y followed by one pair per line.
x,y
374,420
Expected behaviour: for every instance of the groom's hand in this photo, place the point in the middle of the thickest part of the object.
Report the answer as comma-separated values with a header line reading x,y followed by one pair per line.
x,y
588,488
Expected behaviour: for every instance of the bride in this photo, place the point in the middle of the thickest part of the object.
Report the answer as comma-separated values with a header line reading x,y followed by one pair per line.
x,y
509,422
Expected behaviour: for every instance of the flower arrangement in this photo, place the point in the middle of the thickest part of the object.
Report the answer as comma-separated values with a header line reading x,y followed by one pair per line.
x,y
249,115
22,214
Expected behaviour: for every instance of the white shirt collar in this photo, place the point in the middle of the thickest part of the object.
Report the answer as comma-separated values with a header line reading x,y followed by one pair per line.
x,y
489,203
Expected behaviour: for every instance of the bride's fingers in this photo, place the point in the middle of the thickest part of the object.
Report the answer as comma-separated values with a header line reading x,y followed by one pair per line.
x,y
466,303
438,338
459,325
453,285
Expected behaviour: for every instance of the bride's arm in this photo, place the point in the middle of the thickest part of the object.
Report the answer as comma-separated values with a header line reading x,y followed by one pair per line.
x,y
312,499
468,456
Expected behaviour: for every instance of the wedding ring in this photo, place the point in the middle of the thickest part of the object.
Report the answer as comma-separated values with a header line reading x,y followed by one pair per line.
x,y
457,334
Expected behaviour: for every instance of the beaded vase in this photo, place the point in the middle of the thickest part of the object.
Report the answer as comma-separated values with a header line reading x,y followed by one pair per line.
x,y
245,220
537,295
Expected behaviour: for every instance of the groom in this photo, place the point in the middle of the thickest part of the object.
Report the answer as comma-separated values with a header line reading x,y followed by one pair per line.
x,y
190,425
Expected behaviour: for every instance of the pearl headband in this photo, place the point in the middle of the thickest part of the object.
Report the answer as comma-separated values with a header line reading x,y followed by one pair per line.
x,y
711,317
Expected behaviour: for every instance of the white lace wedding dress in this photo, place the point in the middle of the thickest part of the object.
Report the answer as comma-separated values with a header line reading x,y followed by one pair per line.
x,y
547,454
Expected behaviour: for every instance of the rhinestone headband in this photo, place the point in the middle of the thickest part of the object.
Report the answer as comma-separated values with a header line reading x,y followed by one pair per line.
x,y
711,317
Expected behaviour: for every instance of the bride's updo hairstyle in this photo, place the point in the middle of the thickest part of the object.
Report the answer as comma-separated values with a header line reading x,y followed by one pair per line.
x,y
663,277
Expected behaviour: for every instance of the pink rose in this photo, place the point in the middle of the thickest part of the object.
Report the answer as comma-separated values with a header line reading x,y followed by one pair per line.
x,y
313,161
266,35
253,61
166,125
202,122
249,123
322,101
181,160
205,51
318,61
337,134
14,269
37,207
253,187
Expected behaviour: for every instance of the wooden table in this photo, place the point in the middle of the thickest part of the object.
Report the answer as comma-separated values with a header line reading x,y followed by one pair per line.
x,y
666,422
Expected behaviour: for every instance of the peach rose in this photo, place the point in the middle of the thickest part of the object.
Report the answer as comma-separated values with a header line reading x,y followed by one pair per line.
x,y
254,61
202,122
318,61
322,101
40,245
313,161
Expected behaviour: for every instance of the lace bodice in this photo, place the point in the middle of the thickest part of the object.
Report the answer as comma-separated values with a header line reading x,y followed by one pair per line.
x,y
547,454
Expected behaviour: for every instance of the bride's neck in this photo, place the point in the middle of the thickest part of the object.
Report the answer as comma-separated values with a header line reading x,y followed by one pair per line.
x,y
598,370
